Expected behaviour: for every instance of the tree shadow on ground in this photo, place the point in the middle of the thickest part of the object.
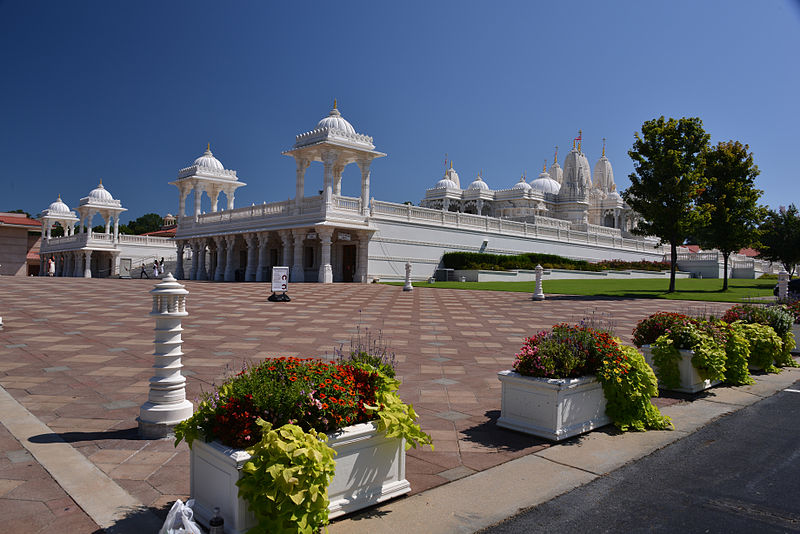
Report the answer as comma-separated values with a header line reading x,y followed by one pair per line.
x,y
75,437
139,520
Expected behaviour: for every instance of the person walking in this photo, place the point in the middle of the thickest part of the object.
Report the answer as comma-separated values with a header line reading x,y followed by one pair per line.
x,y
155,268
144,273
51,267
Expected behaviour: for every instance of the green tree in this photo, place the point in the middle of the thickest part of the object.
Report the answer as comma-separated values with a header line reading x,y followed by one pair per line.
x,y
149,222
779,237
25,213
666,181
730,201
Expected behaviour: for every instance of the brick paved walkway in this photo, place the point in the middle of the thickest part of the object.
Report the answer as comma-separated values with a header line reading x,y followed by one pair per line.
x,y
78,353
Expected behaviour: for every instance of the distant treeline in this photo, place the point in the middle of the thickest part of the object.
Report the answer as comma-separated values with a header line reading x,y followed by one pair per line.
x,y
503,262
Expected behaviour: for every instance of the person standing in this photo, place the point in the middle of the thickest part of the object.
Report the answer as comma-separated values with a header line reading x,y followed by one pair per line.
x,y
161,266
155,268
51,267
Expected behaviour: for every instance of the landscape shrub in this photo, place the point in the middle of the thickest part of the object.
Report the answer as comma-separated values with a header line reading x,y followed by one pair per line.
x,y
503,262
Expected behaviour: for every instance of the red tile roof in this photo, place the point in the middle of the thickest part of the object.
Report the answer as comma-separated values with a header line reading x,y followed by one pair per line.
x,y
18,219
169,232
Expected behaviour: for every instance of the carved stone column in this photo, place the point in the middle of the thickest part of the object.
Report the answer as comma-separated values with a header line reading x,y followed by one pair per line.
x,y
198,199
286,241
298,275
325,271
328,162
202,272
337,179
364,165
77,264
219,272
229,192
363,257
179,265
302,165
249,273
263,239
195,254
87,264
230,274
115,257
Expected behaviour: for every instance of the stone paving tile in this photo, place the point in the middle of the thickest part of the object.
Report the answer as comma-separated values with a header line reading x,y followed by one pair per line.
x,y
475,336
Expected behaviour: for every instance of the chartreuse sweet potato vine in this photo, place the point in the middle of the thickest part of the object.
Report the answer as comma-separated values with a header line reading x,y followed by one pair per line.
x,y
286,479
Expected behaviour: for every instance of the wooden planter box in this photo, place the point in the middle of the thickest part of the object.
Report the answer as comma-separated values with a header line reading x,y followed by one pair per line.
x,y
370,468
691,381
550,408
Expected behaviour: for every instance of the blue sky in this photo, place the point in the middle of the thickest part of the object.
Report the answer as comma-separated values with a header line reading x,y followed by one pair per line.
x,y
130,92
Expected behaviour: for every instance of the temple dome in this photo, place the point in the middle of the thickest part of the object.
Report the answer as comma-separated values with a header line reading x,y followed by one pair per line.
x,y
335,121
577,172
478,184
208,161
446,183
522,185
544,184
58,207
100,194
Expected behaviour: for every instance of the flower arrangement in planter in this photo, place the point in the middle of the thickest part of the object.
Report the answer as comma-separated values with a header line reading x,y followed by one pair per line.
x,y
691,355
573,379
780,319
284,413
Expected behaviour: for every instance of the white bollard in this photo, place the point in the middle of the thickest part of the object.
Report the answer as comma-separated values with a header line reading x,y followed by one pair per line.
x,y
408,286
538,294
166,405
783,285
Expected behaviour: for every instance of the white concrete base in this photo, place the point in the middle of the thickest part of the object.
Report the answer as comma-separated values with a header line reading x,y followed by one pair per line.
x,y
550,408
158,420
370,468
795,332
691,381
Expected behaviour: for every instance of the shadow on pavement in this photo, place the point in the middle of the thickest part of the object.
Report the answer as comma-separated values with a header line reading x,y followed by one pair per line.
x,y
139,521
73,437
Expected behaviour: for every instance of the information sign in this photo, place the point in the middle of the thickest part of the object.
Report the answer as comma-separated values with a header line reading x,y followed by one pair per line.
x,y
280,278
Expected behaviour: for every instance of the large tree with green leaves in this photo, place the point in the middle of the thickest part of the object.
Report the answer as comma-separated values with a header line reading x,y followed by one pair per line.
x,y
779,237
149,222
667,179
730,201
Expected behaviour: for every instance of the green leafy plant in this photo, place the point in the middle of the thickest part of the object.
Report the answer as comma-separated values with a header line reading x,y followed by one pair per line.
x,y
764,344
779,317
737,354
628,384
396,418
369,349
703,338
285,481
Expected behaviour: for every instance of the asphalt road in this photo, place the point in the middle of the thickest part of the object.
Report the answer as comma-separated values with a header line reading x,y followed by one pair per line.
x,y
740,473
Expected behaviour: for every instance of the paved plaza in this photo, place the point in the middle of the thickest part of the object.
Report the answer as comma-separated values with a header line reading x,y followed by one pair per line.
x,y
77,355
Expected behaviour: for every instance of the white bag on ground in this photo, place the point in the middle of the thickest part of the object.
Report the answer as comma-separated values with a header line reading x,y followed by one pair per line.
x,y
179,519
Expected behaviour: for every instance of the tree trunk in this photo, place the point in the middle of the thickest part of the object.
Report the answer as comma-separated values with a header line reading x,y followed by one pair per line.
x,y
673,253
725,270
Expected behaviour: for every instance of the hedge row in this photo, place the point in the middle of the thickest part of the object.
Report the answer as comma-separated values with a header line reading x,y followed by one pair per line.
x,y
503,262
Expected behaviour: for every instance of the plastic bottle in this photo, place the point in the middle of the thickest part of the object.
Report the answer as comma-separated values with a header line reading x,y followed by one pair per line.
x,y
216,525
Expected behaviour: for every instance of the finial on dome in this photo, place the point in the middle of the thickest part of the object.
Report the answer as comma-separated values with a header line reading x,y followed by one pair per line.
x,y
555,158
334,103
59,197
208,147
445,160
544,166
580,139
604,147
101,183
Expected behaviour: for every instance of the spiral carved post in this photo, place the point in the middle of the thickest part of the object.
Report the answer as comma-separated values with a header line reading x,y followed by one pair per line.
x,y
538,294
166,404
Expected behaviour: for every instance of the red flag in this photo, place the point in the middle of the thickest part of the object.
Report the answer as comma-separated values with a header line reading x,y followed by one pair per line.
x,y
579,137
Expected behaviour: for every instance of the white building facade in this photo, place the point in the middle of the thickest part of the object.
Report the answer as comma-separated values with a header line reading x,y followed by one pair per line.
x,y
80,252
334,238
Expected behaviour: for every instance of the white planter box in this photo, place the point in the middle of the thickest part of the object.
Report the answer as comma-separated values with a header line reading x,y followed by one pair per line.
x,y
370,468
551,408
796,332
691,381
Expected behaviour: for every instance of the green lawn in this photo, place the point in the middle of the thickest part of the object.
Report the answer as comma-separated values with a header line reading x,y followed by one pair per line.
x,y
649,288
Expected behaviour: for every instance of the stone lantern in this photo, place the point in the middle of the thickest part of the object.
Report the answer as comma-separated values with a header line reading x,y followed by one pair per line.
x,y
166,404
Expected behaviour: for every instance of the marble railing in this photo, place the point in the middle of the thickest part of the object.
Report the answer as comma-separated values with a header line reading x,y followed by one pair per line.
x,y
554,229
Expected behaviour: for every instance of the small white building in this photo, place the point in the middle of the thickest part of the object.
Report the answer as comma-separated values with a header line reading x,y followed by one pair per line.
x,y
334,238
80,252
